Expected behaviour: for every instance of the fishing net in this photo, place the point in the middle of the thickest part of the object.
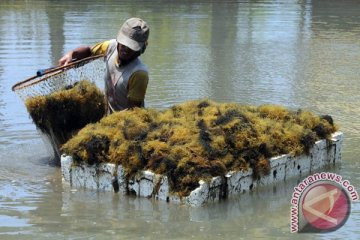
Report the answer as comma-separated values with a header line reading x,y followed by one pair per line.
x,y
91,69
63,100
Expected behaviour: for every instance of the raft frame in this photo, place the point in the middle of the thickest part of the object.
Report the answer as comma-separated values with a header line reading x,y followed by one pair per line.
x,y
107,177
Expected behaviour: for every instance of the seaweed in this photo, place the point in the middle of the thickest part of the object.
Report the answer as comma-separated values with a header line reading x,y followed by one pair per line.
x,y
198,140
61,114
96,149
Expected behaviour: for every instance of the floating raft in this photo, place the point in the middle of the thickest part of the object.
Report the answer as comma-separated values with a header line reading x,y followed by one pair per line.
x,y
111,177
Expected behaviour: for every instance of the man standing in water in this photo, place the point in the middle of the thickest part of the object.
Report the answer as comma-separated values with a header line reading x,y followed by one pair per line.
x,y
126,76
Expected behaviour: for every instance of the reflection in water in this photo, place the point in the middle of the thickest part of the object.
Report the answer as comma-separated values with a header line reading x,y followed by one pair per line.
x,y
56,32
222,39
110,214
301,54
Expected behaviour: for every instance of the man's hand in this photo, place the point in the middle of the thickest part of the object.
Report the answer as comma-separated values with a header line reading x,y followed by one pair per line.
x,y
66,59
77,54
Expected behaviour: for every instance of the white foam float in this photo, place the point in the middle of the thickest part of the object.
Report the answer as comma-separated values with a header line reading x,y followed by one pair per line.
x,y
107,177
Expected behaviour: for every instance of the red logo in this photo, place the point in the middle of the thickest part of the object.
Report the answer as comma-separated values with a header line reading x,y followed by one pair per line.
x,y
325,207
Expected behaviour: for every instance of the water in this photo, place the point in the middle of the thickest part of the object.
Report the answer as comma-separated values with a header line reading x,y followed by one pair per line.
x,y
300,54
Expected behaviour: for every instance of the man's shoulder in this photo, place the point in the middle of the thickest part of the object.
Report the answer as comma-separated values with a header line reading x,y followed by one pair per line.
x,y
103,47
140,66
112,42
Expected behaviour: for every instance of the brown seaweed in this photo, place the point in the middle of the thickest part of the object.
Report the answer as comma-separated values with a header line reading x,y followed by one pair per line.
x,y
199,140
61,114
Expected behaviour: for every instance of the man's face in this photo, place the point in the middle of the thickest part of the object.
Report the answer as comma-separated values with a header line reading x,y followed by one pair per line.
x,y
125,53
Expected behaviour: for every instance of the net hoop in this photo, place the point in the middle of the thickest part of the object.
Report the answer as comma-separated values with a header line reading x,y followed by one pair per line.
x,y
52,72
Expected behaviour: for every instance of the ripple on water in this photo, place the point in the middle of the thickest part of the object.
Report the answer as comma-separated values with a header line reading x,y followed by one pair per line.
x,y
10,221
302,54
24,174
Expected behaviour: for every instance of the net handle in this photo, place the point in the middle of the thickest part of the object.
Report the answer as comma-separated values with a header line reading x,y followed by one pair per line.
x,y
53,71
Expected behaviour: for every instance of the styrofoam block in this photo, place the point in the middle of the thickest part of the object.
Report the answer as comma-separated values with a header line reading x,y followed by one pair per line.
x,y
247,184
337,140
120,176
321,144
232,178
277,170
279,160
134,187
297,166
318,155
216,182
278,167
215,189
143,184
200,195
337,136
238,182
331,152
148,184
84,177
66,162
163,192
105,175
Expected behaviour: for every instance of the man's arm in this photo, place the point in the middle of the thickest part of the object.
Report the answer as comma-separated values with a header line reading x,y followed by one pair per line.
x,y
84,52
137,88
76,54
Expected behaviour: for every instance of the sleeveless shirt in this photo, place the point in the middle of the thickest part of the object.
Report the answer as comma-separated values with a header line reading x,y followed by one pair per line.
x,y
117,78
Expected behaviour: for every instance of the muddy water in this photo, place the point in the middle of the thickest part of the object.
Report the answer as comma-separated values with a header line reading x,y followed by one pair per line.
x,y
300,54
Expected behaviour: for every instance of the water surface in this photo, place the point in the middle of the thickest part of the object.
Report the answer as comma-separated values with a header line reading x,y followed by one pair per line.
x,y
300,54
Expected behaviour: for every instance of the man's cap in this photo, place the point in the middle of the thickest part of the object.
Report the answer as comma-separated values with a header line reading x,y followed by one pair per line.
x,y
133,34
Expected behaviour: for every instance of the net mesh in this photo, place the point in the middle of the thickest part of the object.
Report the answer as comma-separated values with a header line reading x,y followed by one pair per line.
x,y
91,69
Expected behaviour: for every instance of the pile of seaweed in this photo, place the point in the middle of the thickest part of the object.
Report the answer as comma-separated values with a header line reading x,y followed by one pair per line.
x,y
64,112
198,140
